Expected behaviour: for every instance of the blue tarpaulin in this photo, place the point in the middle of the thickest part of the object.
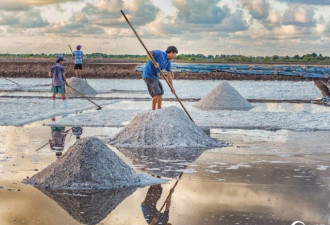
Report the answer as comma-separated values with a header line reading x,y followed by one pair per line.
x,y
303,71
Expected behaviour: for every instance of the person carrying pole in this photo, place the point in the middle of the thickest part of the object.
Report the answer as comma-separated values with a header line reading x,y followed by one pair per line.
x,y
151,71
78,61
57,73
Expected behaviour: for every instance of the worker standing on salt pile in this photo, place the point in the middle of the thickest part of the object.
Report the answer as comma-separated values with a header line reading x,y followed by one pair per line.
x,y
78,61
57,73
150,74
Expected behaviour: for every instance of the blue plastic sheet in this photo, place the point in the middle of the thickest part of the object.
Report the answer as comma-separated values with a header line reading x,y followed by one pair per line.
x,y
303,71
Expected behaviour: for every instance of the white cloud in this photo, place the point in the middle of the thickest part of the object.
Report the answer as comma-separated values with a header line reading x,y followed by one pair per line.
x,y
200,12
299,15
18,5
26,4
23,19
310,2
259,9
106,13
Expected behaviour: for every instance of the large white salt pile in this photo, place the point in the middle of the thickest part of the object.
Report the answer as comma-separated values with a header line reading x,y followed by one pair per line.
x,y
162,162
223,97
89,164
89,207
165,128
80,85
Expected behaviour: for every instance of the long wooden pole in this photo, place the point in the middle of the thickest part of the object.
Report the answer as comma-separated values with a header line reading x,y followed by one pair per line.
x,y
84,96
9,80
154,62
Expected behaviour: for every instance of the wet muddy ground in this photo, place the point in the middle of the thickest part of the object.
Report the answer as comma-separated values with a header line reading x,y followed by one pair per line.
x,y
39,68
262,177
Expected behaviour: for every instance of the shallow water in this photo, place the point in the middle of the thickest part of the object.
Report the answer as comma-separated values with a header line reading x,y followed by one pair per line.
x,y
262,177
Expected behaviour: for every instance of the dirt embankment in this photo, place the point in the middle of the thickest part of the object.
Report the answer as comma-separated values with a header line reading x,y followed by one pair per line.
x,y
117,70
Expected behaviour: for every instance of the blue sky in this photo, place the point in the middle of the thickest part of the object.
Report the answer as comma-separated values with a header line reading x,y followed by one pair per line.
x,y
251,27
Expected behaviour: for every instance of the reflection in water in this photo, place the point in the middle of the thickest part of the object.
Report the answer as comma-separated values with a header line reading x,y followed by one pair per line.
x,y
59,134
89,207
149,209
77,131
162,162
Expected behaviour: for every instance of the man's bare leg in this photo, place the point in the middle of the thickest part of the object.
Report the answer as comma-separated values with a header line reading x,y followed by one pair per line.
x,y
159,102
53,100
154,102
65,101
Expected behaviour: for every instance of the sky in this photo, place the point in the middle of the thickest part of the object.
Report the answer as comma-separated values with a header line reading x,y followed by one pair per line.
x,y
246,27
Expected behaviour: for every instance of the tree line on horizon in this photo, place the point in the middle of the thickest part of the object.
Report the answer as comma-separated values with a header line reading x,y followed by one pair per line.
x,y
313,57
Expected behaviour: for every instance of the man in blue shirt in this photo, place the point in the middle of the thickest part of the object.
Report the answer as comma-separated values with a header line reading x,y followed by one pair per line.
x,y
78,61
150,74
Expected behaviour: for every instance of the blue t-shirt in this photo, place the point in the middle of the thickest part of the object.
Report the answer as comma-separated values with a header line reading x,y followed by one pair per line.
x,y
150,71
57,72
78,57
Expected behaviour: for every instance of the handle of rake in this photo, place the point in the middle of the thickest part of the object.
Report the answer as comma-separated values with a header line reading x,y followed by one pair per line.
x,y
71,50
167,198
98,107
154,62
9,80
42,146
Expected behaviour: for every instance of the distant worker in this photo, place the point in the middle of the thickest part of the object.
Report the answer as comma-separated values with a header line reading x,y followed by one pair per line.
x,y
78,61
150,74
57,73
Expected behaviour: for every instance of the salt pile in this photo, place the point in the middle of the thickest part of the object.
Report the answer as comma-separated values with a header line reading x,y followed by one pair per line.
x,y
89,164
223,97
89,207
162,162
165,128
80,85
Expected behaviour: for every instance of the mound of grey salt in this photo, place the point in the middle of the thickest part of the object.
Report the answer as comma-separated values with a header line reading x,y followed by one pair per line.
x,y
165,128
89,164
89,207
80,85
223,97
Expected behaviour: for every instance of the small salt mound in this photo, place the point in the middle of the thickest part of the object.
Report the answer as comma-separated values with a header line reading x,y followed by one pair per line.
x,y
165,128
80,85
223,97
89,164
89,207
